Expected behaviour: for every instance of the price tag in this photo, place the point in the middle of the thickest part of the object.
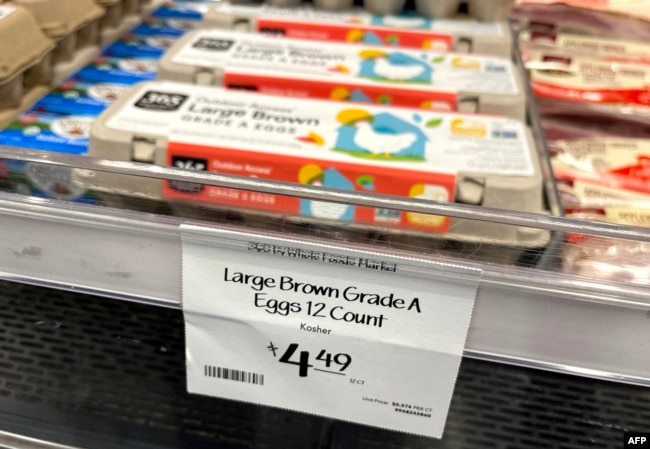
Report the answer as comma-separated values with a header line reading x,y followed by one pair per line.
x,y
358,336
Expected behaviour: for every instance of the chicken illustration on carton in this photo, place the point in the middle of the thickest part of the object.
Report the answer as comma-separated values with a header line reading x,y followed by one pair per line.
x,y
394,66
380,135
380,152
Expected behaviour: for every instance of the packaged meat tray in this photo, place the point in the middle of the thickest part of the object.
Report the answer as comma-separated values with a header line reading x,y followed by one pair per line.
x,y
484,10
74,25
25,62
569,77
361,74
563,18
406,30
606,48
470,159
633,8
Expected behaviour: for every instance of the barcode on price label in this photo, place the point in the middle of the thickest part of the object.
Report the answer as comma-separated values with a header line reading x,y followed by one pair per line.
x,y
233,374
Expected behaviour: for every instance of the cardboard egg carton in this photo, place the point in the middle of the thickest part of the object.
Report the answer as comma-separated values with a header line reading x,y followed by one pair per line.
x,y
147,123
120,16
75,27
335,71
483,10
25,62
357,26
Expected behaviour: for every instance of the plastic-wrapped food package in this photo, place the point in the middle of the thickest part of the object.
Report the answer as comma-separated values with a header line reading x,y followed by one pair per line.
x,y
634,8
599,157
566,76
609,259
603,47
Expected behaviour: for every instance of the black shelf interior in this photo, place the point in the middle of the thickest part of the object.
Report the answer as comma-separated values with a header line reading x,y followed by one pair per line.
x,y
100,373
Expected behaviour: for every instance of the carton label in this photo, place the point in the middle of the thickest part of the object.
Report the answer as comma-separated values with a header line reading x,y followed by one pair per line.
x,y
120,70
81,97
569,77
402,152
182,11
340,72
132,46
52,132
356,336
165,27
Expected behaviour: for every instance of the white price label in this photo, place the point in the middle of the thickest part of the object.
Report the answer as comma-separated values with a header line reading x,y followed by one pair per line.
x,y
361,337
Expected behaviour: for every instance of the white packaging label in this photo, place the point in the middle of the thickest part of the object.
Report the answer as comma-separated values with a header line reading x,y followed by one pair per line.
x,y
333,332
600,154
591,194
566,70
357,17
603,46
5,11
369,135
632,216
258,55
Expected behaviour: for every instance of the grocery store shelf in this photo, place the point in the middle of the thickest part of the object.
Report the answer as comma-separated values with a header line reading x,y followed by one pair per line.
x,y
91,372
528,316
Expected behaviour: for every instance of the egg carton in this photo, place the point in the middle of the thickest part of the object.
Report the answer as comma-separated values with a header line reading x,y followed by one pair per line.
x,y
335,71
407,30
74,25
25,62
119,17
483,10
122,15
499,168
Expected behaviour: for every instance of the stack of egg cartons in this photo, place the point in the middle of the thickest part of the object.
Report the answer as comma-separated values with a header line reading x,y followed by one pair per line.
x,y
25,61
590,69
423,104
86,82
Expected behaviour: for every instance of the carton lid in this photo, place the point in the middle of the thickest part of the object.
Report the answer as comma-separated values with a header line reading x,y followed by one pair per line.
x,y
58,18
27,46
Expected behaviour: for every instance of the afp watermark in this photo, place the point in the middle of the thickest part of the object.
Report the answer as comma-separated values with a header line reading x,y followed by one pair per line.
x,y
636,440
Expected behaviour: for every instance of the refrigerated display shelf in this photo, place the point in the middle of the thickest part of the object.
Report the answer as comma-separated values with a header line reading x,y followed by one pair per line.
x,y
91,372
529,314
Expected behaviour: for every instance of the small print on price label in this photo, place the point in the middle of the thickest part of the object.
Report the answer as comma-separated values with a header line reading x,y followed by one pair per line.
x,y
331,331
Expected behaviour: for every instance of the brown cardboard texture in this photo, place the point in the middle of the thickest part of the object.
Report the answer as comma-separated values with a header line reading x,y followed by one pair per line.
x,y
58,18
